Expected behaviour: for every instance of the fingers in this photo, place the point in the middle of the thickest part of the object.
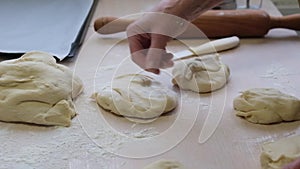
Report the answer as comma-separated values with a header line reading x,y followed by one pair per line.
x,y
157,57
148,51
167,61
137,45
138,41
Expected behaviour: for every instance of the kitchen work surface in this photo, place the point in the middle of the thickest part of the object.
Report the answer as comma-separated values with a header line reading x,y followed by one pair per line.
x,y
202,132
55,26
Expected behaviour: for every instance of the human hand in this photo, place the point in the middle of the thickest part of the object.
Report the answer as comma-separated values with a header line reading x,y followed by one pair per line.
x,y
293,165
148,40
149,35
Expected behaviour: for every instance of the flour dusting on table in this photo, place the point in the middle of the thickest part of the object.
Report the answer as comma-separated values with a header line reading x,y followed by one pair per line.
x,y
280,75
25,146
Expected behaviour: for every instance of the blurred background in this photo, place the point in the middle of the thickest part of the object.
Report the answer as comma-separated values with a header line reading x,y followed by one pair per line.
x,y
287,7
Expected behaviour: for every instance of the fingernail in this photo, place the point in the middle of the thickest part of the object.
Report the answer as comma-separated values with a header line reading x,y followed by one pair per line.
x,y
152,70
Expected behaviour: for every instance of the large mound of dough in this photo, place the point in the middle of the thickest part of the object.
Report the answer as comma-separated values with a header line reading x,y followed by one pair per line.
x,y
204,74
277,154
165,164
34,89
267,105
136,96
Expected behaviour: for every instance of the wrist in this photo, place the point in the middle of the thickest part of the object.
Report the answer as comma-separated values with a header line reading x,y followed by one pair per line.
x,y
172,7
186,9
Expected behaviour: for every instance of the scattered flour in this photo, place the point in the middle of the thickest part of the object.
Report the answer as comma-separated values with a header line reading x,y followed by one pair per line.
x,y
107,68
276,71
280,75
144,133
268,138
34,147
24,146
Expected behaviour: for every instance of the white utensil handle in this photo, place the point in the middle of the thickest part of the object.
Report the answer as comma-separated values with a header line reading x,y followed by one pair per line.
x,y
216,46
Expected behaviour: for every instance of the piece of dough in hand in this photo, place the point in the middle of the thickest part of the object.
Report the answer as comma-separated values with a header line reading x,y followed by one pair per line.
x,y
203,74
267,105
277,154
136,96
35,89
165,164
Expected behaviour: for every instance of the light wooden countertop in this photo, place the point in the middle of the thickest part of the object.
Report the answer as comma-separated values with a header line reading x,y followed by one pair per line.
x,y
226,141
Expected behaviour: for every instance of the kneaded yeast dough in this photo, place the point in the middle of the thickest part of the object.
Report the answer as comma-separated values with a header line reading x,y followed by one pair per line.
x,y
267,105
165,164
136,96
204,74
277,154
34,89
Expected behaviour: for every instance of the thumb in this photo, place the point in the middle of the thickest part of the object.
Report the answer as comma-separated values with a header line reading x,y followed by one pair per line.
x,y
157,52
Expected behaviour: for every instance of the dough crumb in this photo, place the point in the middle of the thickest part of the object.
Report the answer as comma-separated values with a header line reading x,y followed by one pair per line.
x,y
165,164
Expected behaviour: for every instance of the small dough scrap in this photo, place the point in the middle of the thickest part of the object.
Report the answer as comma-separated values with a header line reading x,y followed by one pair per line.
x,y
277,154
203,74
35,89
136,96
266,106
165,164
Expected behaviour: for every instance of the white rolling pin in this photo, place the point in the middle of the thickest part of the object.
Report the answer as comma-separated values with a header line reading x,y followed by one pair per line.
x,y
209,47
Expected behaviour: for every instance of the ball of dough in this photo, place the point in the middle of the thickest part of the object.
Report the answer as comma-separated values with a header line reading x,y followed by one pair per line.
x,y
277,154
203,74
267,105
136,96
34,89
165,164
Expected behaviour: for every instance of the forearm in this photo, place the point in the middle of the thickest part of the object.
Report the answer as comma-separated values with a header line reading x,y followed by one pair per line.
x,y
187,9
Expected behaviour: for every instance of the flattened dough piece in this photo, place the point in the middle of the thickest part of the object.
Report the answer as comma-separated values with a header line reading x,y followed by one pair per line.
x,y
35,89
204,74
165,164
277,154
266,106
136,96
